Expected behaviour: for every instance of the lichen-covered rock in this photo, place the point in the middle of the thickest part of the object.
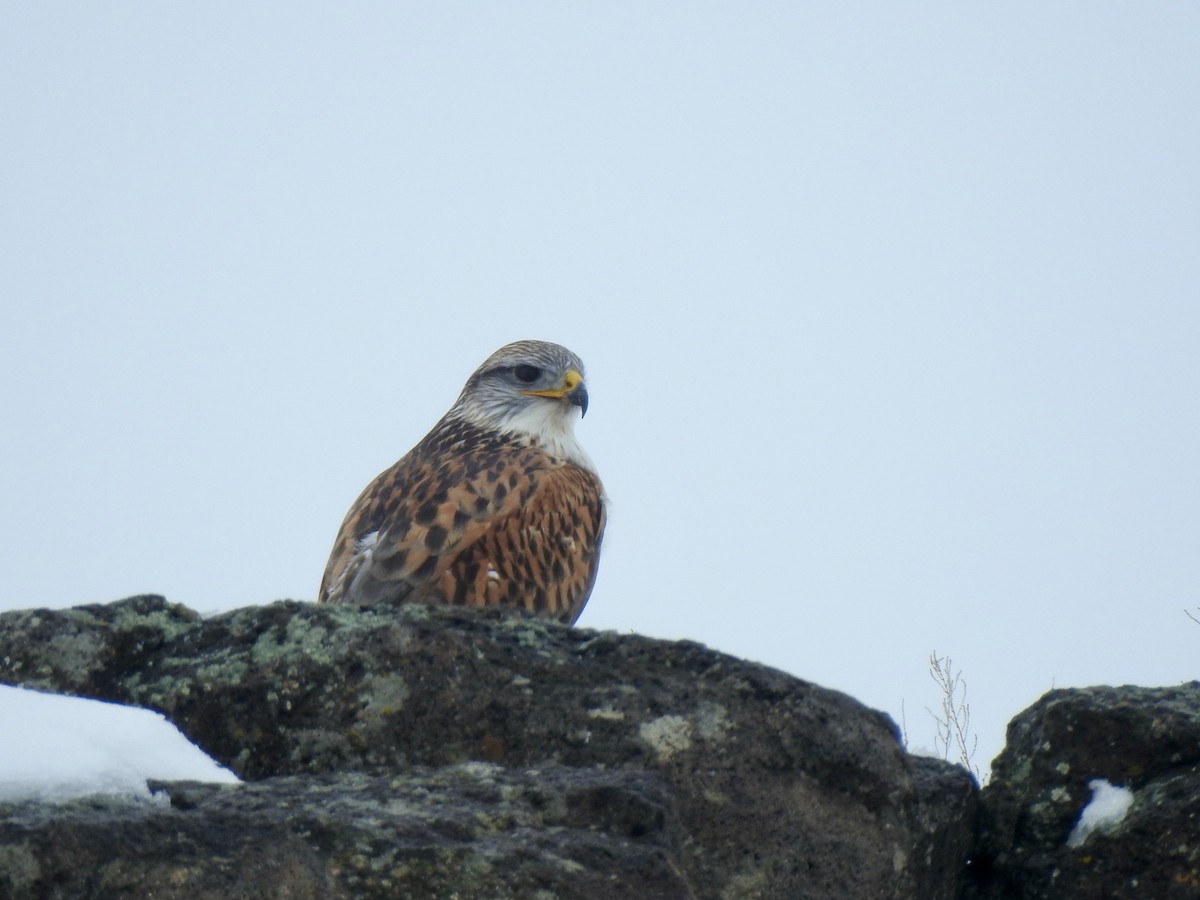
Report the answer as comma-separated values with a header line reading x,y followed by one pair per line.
x,y
475,831
783,788
1144,739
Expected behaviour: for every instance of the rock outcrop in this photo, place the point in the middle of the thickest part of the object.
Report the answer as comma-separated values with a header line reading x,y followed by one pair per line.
x,y
431,751
1146,740
437,752
467,830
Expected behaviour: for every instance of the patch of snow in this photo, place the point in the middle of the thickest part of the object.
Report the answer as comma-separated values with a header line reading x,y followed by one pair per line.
x,y
55,748
1107,808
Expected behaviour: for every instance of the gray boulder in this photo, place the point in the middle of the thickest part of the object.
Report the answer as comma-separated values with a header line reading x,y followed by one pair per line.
x,y
1146,740
475,830
666,769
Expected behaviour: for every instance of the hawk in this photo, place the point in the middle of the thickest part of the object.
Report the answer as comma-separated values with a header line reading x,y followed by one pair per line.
x,y
497,505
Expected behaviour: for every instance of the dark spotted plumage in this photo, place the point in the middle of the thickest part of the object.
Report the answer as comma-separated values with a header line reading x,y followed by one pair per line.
x,y
496,505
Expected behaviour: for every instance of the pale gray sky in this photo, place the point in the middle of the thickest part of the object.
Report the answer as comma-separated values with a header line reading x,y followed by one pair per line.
x,y
891,311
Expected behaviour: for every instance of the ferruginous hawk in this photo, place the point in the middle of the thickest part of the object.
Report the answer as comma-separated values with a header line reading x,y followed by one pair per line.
x,y
498,504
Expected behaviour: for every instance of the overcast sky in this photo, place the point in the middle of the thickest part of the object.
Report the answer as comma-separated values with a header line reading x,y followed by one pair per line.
x,y
891,311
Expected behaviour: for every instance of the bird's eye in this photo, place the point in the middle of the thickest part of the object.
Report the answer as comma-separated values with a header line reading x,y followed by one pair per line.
x,y
527,374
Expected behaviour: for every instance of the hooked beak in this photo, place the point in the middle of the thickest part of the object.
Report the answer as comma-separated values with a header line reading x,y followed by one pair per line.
x,y
571,390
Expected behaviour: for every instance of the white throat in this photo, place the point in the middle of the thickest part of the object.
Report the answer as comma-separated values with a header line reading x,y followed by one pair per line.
x,y
550,426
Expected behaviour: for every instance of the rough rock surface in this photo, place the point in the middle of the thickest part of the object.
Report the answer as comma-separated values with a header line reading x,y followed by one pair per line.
x,y
663,769
484,830
1143,739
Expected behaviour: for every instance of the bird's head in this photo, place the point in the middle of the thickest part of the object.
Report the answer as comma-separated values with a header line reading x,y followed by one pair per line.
x,y
530,388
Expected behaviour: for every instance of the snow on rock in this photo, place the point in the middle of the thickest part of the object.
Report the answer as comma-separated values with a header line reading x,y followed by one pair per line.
x,y
1107,808
57,748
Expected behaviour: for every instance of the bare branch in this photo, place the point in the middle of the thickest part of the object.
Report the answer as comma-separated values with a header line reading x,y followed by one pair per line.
x,y
954,724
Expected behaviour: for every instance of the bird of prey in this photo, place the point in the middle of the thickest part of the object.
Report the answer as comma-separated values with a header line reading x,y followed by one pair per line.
x,y
497,505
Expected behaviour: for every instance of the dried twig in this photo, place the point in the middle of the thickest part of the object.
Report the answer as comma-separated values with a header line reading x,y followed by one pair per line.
x,y
954,724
